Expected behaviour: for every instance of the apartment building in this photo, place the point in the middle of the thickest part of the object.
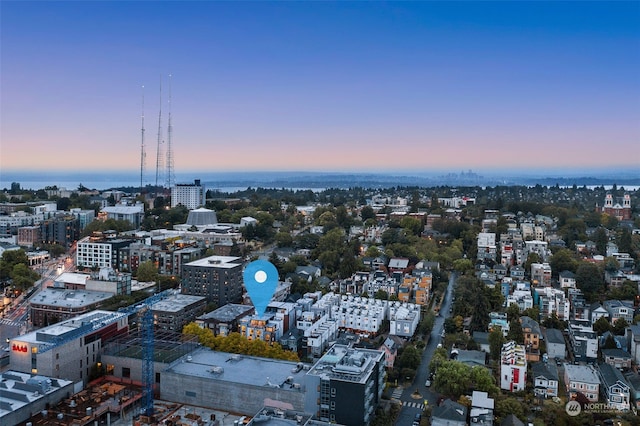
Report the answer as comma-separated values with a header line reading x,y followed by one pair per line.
x,y
218,278
513,367
346,385
190,195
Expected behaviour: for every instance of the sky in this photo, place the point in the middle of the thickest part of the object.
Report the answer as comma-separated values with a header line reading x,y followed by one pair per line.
x,y
319,86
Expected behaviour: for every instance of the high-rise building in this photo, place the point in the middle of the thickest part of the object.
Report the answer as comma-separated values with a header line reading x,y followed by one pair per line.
x,y
190,195
218,278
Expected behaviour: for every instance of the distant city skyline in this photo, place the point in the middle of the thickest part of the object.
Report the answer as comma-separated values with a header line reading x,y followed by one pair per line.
x,y
321,86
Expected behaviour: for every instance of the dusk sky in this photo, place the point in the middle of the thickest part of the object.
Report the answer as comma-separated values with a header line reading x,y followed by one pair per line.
x,y
321,86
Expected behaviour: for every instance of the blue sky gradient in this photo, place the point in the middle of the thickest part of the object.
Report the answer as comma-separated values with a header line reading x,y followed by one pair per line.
x,y
322,86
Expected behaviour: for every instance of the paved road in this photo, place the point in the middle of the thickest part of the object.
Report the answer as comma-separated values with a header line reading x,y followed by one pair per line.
x,y
411,405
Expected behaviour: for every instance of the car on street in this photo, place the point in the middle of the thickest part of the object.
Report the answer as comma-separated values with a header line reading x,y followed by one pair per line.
x,y
427,383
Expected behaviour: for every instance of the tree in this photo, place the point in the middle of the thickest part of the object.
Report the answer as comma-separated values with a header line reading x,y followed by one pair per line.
x,y
147,272
496,340
601,326
515,332
620,326
11,258
563,260
590,280
509,405
367,212
513,311
410,358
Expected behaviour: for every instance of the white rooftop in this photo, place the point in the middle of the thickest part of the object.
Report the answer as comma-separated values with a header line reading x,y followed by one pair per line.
x,y
217,262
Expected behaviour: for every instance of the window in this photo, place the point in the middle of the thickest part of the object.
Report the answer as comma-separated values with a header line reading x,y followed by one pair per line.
x,y
126,372
190,393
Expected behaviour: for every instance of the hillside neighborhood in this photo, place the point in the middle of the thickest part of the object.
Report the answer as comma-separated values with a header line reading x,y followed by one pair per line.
x,y
413,306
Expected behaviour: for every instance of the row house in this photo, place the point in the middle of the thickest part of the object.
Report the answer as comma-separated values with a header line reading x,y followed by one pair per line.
x,y
541,248
580,309
404,319
597,311
552,301
541,274
584,342
487,246
319,334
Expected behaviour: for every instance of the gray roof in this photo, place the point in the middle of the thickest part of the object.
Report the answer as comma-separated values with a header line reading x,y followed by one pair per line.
x,y
228,312
567,274
345,363
176,303
450,410
554,336
63,298
544,369
511,420
530,323
241,369
616,353
481,337
201,217
581,373
610,375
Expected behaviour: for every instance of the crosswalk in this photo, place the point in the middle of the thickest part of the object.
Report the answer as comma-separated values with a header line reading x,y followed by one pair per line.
x,y
412,404
5,321
397,393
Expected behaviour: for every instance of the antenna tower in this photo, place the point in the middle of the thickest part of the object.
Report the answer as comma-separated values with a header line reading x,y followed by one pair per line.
x,y
170,176
142,152
160,141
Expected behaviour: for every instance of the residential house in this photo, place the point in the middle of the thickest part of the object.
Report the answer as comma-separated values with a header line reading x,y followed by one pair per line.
x,y
614,387
390,347
584,342
449,413
582,379
545,379
619,309
597,311
633,340
482,340
617,358
532,335
513,367
481,409
556,345
633,379
567,279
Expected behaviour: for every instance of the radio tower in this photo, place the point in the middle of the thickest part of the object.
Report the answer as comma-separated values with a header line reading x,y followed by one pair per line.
x,y
142,153
170,176
160,142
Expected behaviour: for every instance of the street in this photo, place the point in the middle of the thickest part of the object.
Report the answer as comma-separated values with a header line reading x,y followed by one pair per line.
x,y
411,403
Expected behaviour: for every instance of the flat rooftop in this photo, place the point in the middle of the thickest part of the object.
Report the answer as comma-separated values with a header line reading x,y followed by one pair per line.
x,y
217,262
90,322
176,303
227,313
52,296
243,369
345,363
20,389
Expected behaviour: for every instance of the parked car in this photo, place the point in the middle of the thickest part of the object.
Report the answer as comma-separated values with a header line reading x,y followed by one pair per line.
x,y
427,383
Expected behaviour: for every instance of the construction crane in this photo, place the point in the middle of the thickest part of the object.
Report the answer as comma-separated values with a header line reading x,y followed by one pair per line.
x,y
145,315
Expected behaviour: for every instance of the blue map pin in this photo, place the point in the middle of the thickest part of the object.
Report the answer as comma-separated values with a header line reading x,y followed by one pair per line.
x,y
261,280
